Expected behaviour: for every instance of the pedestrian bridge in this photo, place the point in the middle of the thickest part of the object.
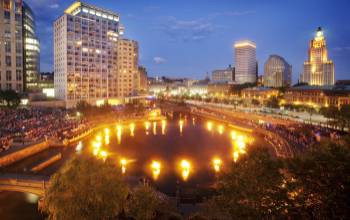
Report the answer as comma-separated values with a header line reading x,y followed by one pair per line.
x,y
24,183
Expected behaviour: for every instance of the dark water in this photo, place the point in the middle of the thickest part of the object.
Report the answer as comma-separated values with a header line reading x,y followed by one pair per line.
x,y
167,144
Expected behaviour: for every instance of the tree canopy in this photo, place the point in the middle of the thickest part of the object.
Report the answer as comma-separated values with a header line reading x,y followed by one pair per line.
x,y
86,188
314,185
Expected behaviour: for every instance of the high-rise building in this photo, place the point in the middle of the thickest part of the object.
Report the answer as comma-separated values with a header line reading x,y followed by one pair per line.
x,y
318,70
85,54
225,75
245,62
19,47
31,55
143,79
127,65
278,73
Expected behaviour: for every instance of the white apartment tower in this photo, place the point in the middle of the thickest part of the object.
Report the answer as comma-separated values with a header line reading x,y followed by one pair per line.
x,y
245,62
85,54
128,73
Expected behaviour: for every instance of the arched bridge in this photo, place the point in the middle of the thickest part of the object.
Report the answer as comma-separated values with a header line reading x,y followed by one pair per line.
x,y
24,183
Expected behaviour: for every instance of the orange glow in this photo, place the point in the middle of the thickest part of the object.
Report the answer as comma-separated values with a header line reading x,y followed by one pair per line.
x,y
154,128
221,129
217,164
123,163
181,124
132,129
186,168
163,127
155,166
209,125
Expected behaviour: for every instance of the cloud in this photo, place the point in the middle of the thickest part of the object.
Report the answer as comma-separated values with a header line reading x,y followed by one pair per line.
x,y
54,6
187,30
232,13
159,60
341,49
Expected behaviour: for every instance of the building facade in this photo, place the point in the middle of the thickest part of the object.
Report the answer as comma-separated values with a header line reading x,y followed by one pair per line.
x,y
225,75
19,46
143,80
318,96
128,77
318,69
85,54
31,55
245,62
277,72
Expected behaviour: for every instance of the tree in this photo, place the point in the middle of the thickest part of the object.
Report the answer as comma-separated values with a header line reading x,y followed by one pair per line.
x,y
86,188
143,203
272,102
11,97
322,181
253,188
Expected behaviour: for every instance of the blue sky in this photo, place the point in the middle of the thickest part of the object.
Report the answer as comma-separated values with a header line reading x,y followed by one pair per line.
x,y
187,38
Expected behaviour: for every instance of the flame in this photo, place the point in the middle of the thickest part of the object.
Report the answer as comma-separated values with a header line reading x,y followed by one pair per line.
x,y
209,126
79,147
155,166
123,163
217,164
185,167
103,155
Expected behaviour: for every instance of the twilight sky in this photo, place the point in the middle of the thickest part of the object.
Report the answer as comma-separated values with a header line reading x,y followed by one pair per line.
x,y
187,38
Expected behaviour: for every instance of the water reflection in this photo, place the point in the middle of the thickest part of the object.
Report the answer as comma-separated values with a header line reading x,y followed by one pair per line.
x,y
154,128
163,126
132,129
238,147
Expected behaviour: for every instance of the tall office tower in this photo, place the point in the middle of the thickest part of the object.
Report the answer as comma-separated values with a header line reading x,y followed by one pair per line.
x,y
31,55
318,70
85,54
11,45
19,47
245,62
128,73
278,73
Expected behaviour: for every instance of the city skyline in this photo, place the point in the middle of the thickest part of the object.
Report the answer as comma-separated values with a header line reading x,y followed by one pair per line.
x,y
181,36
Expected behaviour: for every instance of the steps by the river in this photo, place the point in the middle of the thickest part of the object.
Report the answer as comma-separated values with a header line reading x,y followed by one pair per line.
x,y
47,162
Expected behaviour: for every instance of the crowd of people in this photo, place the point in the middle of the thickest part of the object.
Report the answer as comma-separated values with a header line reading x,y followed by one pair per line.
x,y
36,124
299,136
